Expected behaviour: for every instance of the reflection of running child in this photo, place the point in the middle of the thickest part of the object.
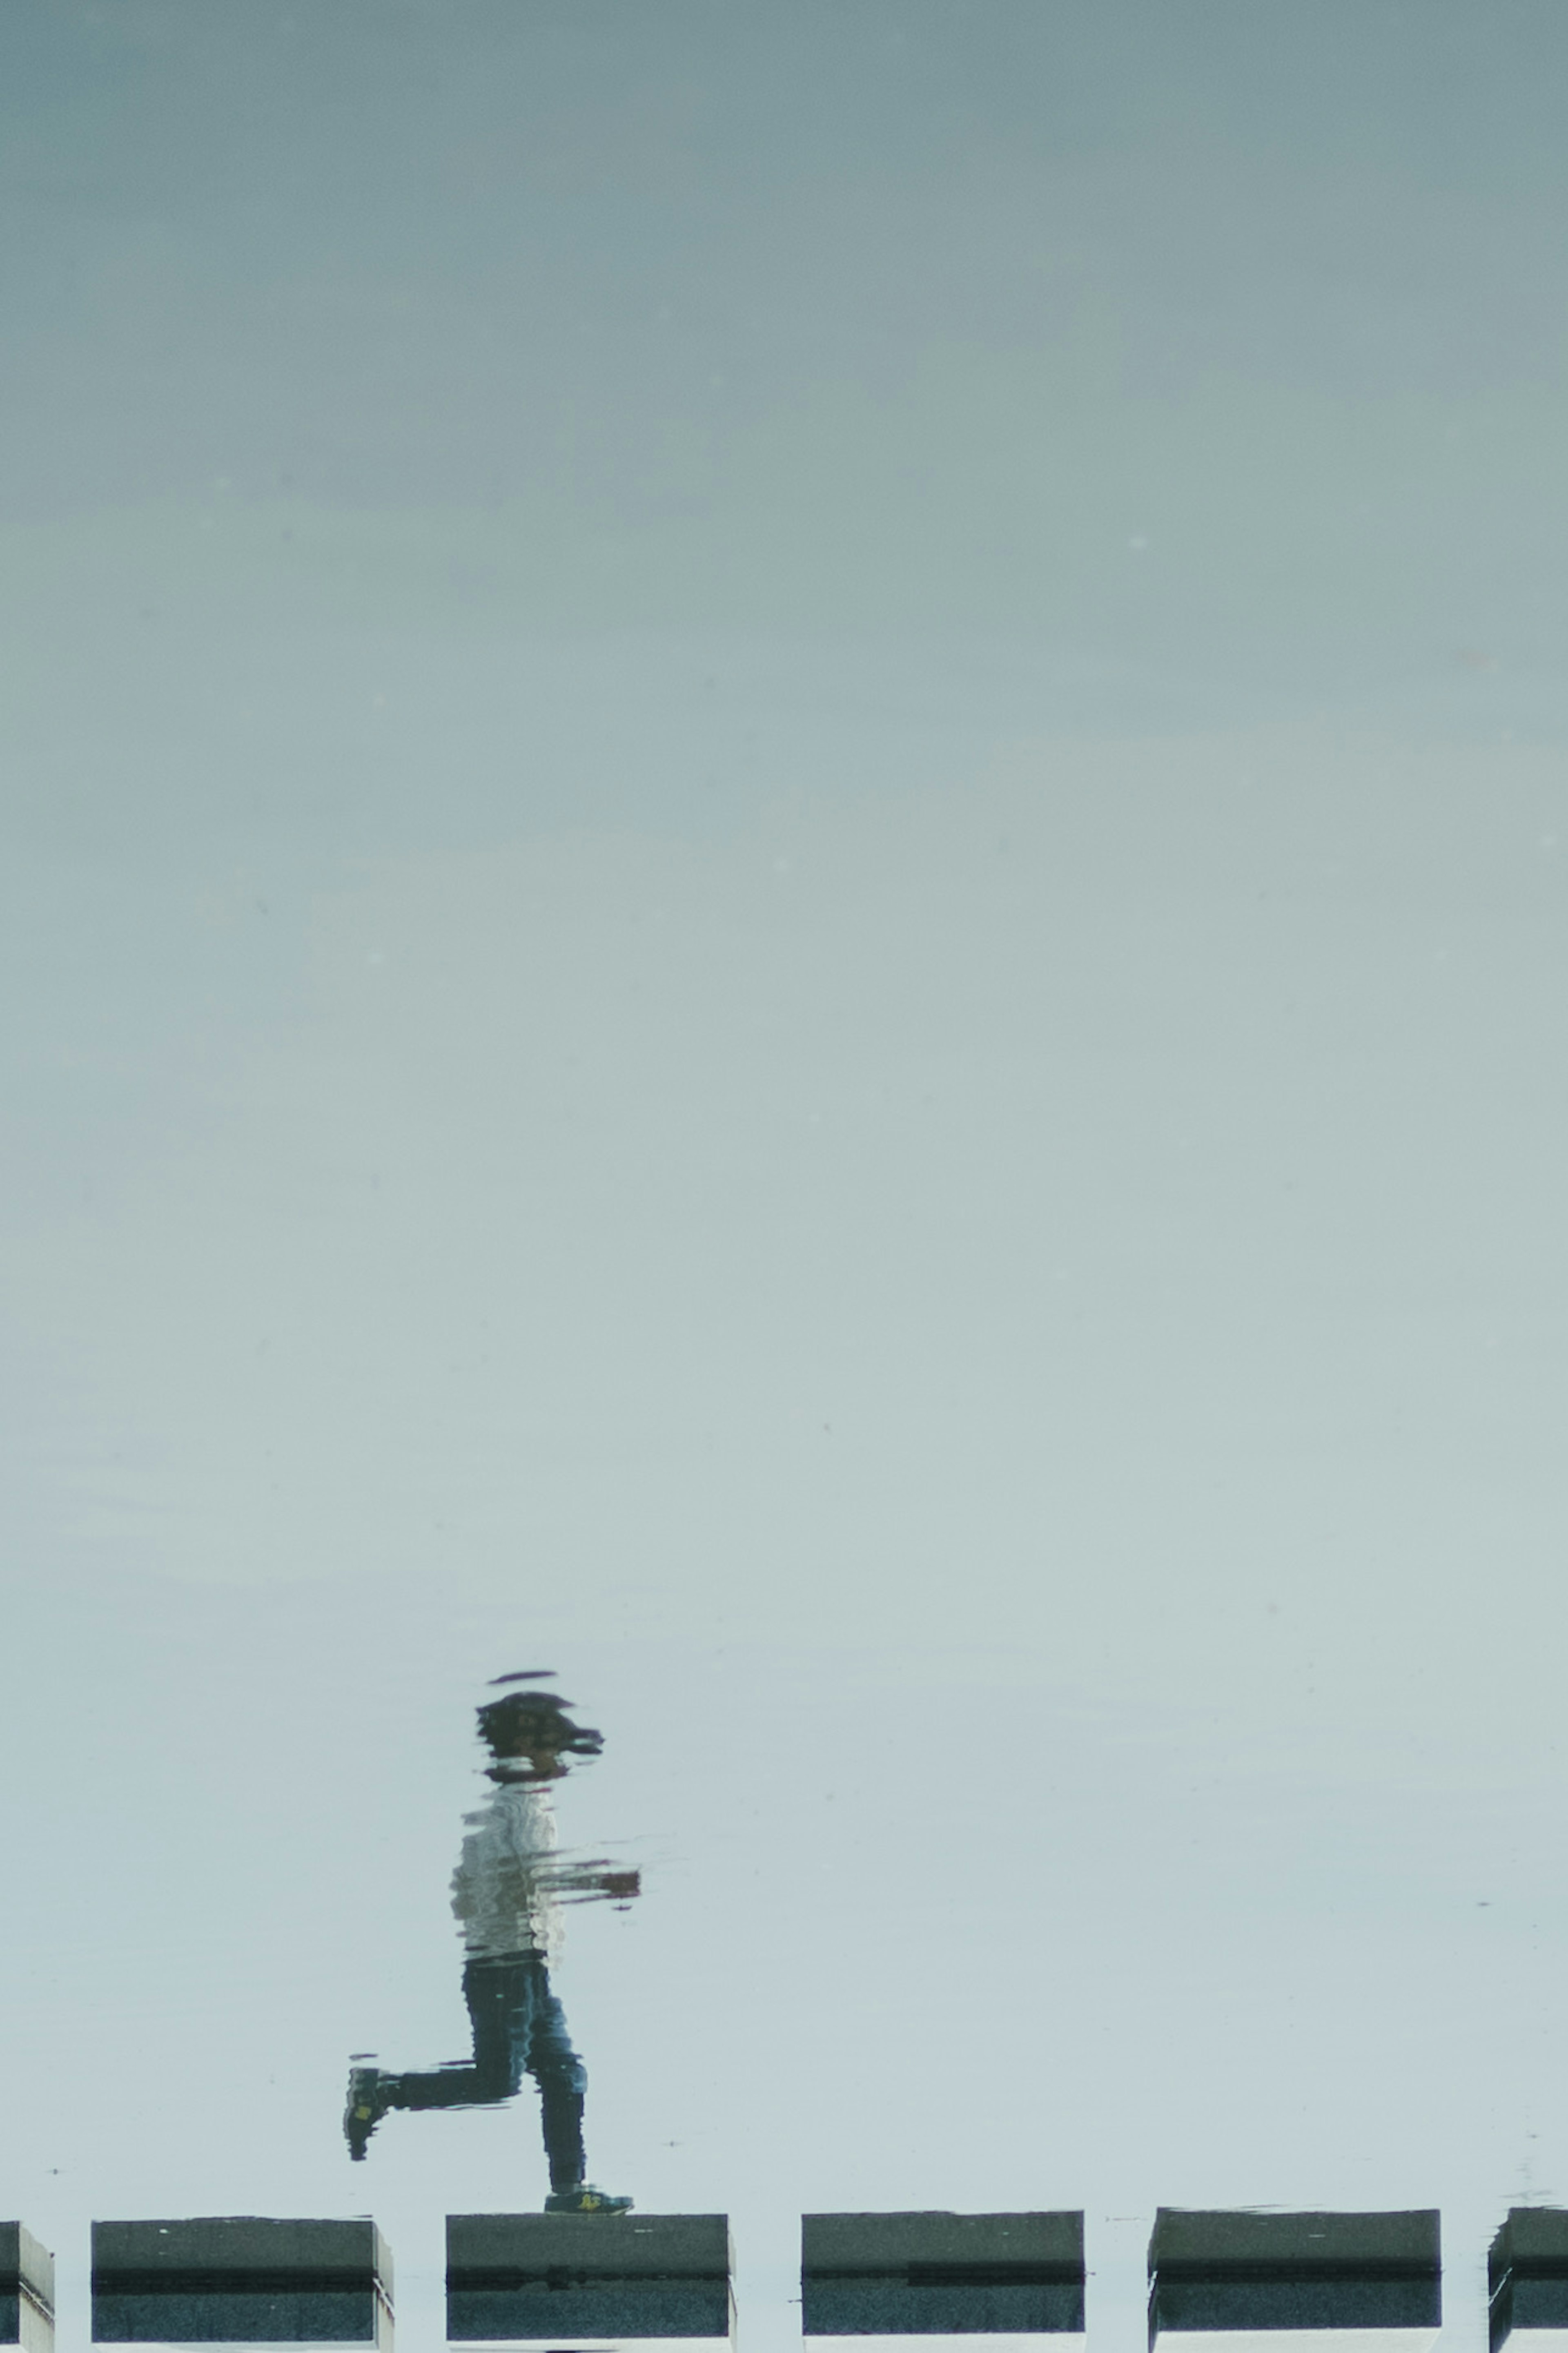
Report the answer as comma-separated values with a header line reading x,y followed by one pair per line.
x,y
507,1891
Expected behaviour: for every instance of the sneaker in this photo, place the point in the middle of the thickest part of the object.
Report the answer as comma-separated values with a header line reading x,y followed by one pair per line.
x,y
367,2103
585,2201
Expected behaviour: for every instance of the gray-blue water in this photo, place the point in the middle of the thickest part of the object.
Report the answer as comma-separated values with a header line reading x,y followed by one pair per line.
x,y
783,923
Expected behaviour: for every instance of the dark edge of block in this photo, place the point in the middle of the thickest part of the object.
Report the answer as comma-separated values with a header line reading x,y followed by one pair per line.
x,y
937,2272
1522,2305
879,2305
361,2315
1527,2273
1264,2271
1246,2245
554,2251
1224,2307
1531,2244
903,2246
253,2318
625,2308
255,2296
129,2252
1499,2314
532,2277
979,2274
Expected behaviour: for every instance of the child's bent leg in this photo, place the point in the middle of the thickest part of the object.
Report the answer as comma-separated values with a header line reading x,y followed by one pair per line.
x,y
500,1999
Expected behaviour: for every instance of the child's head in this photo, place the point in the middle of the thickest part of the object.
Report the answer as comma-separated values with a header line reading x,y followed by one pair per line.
x,y
531,1730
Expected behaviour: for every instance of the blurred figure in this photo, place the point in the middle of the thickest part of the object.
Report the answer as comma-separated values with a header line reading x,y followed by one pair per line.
x,y
507,1891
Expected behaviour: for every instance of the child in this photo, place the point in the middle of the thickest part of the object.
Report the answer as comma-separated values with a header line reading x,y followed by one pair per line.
x,y
507,1891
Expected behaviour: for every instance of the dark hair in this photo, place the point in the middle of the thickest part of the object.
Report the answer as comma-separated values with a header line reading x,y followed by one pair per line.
x,y
525,1721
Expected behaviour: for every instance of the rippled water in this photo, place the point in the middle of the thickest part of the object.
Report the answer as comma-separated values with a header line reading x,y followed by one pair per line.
x,y
785,939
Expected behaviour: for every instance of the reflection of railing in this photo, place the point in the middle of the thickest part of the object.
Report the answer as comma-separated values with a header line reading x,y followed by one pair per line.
x,y
1244,2282
26,2291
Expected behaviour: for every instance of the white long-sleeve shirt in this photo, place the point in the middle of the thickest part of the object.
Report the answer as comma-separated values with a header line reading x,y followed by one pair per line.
x,y
504,1889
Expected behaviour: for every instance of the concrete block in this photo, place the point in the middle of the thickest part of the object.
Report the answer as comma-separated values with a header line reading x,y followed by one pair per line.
x,y
240,2279
26,2291
1225,2281
940,2274
1527,2279
565,2279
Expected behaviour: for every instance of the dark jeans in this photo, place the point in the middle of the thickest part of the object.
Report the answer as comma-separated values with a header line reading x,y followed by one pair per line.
x,y
518,2028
